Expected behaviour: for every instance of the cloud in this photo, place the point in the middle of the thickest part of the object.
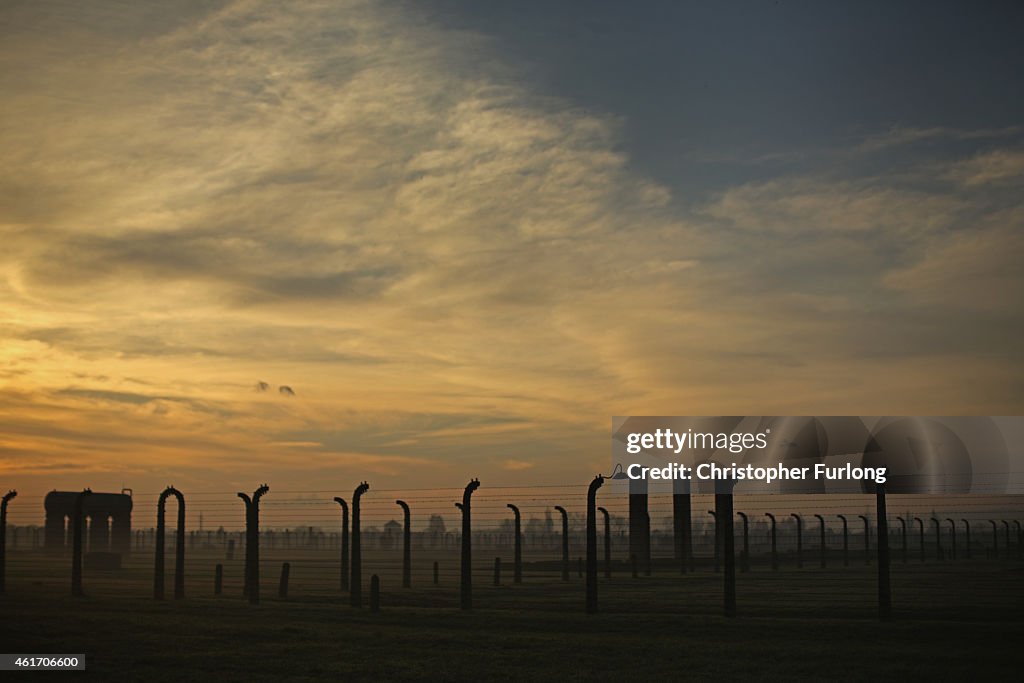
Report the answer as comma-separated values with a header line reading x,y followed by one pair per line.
x,y
996,167
454,266
516,465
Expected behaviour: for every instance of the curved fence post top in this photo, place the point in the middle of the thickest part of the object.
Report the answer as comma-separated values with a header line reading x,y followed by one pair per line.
x,y
171,491
597,482
402,504
513,508
246,498
341,501
10,494
770,515
561,509
360,490
795,516
742,514
260,492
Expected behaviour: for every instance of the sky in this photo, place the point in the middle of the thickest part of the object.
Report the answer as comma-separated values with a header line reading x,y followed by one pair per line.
x,y
465,235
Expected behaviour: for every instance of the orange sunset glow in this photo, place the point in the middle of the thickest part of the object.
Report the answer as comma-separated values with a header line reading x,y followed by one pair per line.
x,y
391,246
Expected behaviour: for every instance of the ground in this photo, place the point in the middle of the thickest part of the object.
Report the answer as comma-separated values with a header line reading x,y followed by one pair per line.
x,y
953,620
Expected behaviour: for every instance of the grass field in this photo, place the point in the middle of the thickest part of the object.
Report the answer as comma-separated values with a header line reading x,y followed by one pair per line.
x,y
954,620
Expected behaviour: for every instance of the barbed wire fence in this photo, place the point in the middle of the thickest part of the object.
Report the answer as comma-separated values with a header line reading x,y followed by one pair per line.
x,y
824,545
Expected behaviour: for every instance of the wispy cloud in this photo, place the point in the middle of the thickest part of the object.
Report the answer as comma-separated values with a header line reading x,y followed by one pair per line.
x,y
447,264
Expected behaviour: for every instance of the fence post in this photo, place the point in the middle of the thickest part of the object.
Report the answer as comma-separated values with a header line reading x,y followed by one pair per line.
x,y
967,536
775,551
884,588
846,540
3,539
466,581
682,526
76,544
282,590
822,548
406,546
374,594
355,588
745,557
1007,526
799,540
218,579
920,528
158,551
867,540
717,538
607,543
591,586
343,583
179,546
903,536
565,542
517,554
252,543
939,555
995,539
724,505
952,538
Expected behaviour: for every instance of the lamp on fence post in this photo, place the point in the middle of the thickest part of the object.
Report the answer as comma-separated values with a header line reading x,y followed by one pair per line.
x,y
179,546
355,589
607,544
967,536
718,532
867,539
903,536
952,538
466,582
565,542
846,541
775,553
517,555
343,583
799,540
3,538
597,483
76,544
745,563
822,549
406,545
